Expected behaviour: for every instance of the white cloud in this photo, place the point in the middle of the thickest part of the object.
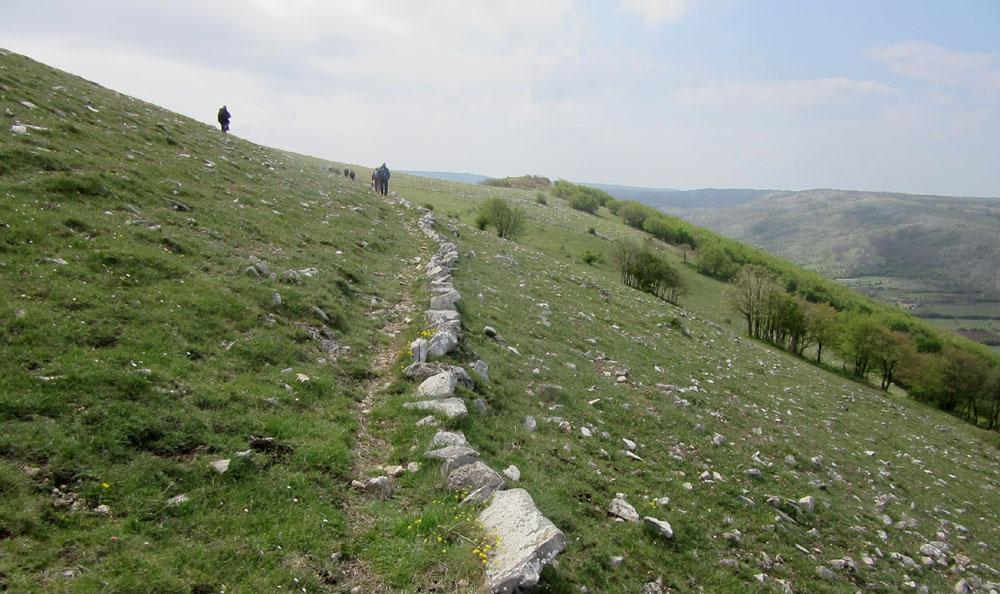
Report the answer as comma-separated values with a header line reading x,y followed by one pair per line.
x,y
940,66
656,12
783,94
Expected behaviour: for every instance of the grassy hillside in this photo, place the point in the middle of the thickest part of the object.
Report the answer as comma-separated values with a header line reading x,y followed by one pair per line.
x,y
937,256
139,348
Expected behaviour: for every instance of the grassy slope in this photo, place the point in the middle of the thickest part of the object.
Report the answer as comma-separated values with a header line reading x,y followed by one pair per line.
x,y
938,465
149,436
151,352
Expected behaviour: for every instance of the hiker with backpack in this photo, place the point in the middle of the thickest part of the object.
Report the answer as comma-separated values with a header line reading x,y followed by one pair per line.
x,y
224,118
381,176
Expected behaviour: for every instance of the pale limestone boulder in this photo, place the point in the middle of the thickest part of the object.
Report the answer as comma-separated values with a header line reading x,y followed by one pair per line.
x,y
452,409
525,541
441,385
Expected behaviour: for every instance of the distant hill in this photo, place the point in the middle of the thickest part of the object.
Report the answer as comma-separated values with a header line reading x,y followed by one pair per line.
x,y
938,256
467,178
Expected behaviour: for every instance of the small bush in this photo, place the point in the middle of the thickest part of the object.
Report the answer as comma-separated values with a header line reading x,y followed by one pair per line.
x,y
508,220
591,258
592,231
428,206
541,199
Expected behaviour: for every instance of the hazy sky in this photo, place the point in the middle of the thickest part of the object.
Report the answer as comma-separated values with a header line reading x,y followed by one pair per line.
x,y
883,95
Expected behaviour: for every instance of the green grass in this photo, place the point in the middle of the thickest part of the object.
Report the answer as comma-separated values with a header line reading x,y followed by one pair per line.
x,y
801,410
137,349
152,351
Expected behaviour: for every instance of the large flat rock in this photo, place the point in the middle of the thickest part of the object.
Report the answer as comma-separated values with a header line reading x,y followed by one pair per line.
x,y
526,541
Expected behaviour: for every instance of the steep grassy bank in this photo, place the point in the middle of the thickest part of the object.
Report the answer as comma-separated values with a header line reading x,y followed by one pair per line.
x,y
138,347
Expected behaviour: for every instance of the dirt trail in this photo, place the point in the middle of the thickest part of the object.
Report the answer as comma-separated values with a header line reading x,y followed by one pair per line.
x,y
370,448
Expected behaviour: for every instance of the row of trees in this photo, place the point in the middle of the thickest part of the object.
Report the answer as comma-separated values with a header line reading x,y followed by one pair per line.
x,y
890,346
643,269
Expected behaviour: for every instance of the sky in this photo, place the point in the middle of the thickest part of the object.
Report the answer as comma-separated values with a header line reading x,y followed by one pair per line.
x,y
893,95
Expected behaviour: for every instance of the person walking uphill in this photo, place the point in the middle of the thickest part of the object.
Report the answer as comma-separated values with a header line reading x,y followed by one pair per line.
x,y
224,118
382,179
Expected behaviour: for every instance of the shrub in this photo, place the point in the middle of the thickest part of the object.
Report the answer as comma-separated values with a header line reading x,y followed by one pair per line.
x,y
508,220
591,258
585,203
540,198
592,231
643,269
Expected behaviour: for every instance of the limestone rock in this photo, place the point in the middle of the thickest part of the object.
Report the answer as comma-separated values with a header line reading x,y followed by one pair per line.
x,y
450,408
446,301
442,343
530,424
659,527
418,349
513,473
421,371
441,385
428,421
470,477
481,368
527,540
379,486
448,438
220,466
622,509
453,456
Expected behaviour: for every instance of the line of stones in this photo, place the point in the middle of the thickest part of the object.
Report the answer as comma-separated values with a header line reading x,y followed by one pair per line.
x,y
525,540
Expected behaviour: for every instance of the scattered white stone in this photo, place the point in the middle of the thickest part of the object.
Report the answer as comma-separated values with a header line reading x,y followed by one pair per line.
x,y
178,500
718,439
660,527
629,444
103,509
512,473
428,421
530,424
394,471
220,466
585,432
380,486
808,503
622,509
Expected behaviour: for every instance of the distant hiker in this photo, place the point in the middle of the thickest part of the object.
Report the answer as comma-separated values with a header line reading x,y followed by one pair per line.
x,y
346,171
224,118
375,180
352,175
381,176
